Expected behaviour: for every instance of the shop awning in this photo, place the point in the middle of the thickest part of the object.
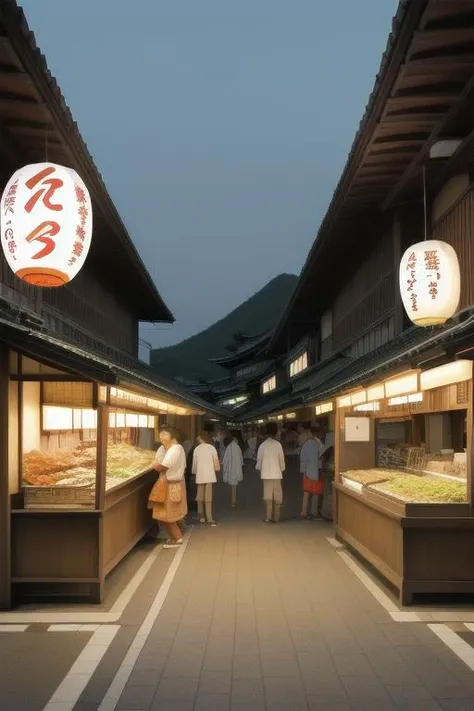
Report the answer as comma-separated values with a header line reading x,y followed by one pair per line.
x,y
57,353
398,352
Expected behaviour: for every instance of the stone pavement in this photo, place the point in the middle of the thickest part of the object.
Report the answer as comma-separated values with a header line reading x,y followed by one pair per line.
x,y
269,617
261,617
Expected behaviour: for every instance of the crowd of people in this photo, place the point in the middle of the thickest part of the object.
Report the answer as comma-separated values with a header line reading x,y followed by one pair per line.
x,y
189,470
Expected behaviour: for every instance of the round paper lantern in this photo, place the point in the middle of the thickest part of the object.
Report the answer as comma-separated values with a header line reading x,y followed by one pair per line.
x,y
430,282
46,224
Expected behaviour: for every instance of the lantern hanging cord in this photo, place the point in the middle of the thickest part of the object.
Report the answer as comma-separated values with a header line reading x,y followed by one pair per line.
x,y
425,209
46,142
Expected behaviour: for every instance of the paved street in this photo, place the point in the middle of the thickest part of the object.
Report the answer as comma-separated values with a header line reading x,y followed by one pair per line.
x,y
247,617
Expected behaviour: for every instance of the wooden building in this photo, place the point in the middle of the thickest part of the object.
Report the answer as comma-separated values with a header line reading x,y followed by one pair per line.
x,y
345,345
79,412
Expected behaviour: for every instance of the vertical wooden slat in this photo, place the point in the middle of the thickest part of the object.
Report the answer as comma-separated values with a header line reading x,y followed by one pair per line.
x,y
102,441
456,228
5,514
470,447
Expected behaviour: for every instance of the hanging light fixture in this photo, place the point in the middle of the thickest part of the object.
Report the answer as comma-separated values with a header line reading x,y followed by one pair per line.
x,y
430,280
46,224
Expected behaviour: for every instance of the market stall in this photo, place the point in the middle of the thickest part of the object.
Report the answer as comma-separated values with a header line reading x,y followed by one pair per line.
x,y
403,478
80,474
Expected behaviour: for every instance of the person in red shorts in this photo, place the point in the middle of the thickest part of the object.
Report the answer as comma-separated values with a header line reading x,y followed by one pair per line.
x,y
313,483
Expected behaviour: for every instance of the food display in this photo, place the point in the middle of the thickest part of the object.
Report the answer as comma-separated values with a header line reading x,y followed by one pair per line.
x,y
68,477
422,489
452,464
406,487
125,461
369,476
49,468
78,466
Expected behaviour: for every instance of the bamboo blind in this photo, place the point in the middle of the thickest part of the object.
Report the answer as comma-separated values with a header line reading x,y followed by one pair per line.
x,y
68,394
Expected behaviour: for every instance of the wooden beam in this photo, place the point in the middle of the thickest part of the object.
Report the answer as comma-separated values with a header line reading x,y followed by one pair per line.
x,y
389,146
435,66
5,512
49,378
414,120
436,40
424,153
406,104
446,10
379,158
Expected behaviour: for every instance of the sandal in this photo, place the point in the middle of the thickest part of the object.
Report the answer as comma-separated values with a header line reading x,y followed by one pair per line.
x,y
173,544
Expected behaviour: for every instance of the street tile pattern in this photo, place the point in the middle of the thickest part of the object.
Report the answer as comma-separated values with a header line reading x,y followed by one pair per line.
x,y
268,617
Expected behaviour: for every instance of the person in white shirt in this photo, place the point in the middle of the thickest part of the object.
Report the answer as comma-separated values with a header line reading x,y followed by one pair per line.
x,y
205,466
313,483
170,462
233,464
271,465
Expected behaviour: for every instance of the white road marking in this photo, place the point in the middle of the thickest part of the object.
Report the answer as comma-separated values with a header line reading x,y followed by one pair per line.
x,y
82,618
68,692
114,692
73,628
382,598
397,614
456,644
13,628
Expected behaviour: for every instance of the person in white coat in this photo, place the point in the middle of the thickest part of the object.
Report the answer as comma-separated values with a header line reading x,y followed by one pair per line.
x,y
233,464
271,465
205,465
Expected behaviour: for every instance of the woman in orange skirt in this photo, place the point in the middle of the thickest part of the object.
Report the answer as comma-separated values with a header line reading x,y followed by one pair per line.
x,y
313,484
170,462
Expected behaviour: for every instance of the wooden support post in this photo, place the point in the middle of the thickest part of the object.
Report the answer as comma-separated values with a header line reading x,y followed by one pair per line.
x,y
470,447
5,513
102,443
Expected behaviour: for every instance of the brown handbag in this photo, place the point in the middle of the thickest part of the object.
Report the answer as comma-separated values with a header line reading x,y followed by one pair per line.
x,y
159,491
175,492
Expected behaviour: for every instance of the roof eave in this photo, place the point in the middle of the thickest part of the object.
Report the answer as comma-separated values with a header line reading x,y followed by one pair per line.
x,y
23,41
406,20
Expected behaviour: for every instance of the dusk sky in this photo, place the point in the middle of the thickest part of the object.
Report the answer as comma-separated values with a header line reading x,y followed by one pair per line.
x,y
220,128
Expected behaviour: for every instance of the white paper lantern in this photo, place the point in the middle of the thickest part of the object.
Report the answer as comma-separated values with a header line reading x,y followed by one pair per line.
x,y
430,282
46,224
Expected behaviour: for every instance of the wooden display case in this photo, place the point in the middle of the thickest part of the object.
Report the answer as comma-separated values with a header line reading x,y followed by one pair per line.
x,y
418,548
68,549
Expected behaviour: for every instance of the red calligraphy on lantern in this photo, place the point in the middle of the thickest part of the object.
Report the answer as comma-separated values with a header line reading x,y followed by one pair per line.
x,y
80,194
414,302
44,233
431,260
411,267
83,213
46,192
78,249
10,198
433,289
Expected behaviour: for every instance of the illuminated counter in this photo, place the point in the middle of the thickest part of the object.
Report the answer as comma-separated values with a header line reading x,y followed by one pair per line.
x,y
82,479
404,479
